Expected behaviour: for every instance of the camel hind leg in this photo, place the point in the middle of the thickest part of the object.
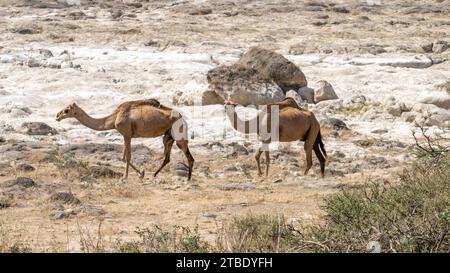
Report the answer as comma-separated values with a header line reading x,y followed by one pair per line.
x,y
257,158
267,162
183,145
168,143
308,146
320,157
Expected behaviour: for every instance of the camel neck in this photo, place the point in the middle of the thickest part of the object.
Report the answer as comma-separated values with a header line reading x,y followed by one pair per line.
x,y
240,125
98,124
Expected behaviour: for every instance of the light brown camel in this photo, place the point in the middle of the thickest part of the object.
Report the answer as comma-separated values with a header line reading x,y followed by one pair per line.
x,y
139,119
294,122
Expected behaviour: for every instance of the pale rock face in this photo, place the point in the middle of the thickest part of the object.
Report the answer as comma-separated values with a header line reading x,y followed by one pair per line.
x,y
428,115
329,106
440,99
324,91
206,97
253,93
293,94
394,107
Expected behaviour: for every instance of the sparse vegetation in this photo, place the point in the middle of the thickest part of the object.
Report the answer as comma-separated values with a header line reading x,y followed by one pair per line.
x,y
352,110
411,215
255,233
8,244
67,160
166,240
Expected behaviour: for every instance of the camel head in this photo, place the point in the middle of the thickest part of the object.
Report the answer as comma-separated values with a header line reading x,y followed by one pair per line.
x,y
229,106
68,112
227,102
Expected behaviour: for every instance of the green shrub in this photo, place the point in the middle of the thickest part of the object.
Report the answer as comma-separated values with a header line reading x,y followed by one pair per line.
x,y
410,216
166,240
256,233
67,161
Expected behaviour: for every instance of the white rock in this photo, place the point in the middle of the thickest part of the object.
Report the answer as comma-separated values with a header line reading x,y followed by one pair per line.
x,y
296,96
429,115
440,99
324,91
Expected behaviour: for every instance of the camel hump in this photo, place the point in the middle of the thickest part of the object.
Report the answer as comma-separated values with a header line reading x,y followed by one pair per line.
x,y
126,106
286,102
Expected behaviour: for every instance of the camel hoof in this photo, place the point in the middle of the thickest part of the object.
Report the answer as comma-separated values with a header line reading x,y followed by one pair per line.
x,y
123,180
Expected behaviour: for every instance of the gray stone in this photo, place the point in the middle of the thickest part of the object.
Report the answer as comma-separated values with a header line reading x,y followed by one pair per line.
x,y
103,171
441,99
440,46
306,94
37,128
25,167
200,11
23,182
333,123
64,198
181,169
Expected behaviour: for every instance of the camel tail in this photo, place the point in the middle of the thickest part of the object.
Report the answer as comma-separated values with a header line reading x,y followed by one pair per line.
x,y
321,145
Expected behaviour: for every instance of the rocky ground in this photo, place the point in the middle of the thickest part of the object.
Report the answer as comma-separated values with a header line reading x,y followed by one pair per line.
x,y
387,64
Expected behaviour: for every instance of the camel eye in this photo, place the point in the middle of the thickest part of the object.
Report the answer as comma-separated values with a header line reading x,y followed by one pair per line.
x,y
66,111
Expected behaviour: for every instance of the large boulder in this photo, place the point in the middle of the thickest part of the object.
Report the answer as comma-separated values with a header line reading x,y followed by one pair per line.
x,y
273,66
295,95
428,115
441,99
241,85
307,94
324,91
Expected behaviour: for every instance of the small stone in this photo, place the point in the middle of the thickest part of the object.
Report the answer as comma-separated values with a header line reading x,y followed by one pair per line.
x,y
135,5
23,182
440,46
25,167
427,48
379,131
340,9
37,128
102,171
334,124
201,11
116,14
181,169
65,198
338,154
